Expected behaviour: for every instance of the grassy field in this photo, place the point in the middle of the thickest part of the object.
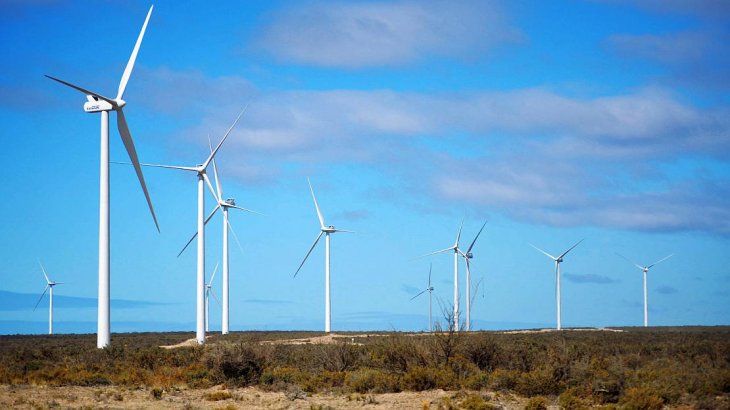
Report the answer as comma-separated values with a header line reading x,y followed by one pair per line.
x,y
632,368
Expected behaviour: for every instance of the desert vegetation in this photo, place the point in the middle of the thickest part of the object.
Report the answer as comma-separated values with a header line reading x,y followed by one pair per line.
x,y
635,368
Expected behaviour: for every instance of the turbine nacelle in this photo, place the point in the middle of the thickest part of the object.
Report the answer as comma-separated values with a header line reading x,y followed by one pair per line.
x,y
469,255
97,105
329,229
230,201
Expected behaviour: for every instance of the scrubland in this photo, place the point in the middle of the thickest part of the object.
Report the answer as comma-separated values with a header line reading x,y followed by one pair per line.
x,y
634,369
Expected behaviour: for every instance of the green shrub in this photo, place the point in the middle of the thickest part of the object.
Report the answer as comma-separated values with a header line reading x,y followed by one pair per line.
x,y
426,378
475,402
372,381
570,400
537,382
504,379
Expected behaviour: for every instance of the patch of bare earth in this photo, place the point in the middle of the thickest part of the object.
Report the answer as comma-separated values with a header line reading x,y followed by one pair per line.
x,y
219,397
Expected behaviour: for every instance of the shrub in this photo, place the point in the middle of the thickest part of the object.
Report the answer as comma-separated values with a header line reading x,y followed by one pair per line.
x,y
426,378
156,393
569,400
372,381
537,403
477,381
639,398
504,379
475,402
240,365
537,382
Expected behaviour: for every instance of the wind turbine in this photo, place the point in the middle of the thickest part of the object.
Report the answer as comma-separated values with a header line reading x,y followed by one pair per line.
x,y
208,288
429,289
468,255
224,205
325,230
455,249
98,103
49,288
645,270
558,260
203,179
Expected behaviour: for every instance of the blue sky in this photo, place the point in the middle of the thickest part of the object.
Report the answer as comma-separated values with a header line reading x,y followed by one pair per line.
x,y
555,121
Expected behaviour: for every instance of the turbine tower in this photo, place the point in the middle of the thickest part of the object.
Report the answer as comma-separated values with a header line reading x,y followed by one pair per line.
x,y
455,249
98,103
325,230
468,255
428,289
49,288
203,179
558,260
225,205
645,270
208,289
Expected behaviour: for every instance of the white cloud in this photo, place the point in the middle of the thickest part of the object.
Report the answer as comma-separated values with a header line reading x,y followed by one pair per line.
x,y
533,154
376,33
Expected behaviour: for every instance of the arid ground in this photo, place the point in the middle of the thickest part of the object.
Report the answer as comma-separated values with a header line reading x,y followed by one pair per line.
x,y
619,368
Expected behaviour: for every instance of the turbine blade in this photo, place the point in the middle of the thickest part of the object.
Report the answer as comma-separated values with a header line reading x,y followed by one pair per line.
x,y
419,294
546,254
344,230
84,90
458,235
129,145
434,253
316,205
215,173
156,165
430,267
476,237
245,209
210,188
41,298
215,298
213,275
660,260
571,248
133,57
44,271
196,233
630,261
308,253
475,291
215,151
235,237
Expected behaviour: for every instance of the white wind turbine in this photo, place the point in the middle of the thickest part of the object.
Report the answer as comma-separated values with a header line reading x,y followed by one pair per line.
x,y
645,270
224,205
428,289
558,260
98,103
468,255
325,230
203,179
49,288
208,290
455,249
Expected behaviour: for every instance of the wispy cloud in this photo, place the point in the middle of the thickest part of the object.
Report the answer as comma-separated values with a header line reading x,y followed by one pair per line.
x,y
267,301
375,33
13,301
589,278
553,158
666,290
409,289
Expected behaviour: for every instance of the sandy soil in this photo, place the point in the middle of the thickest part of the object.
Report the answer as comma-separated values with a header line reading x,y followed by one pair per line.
x,y
244,398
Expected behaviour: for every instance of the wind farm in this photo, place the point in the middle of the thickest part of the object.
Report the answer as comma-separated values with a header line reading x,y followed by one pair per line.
x,y
410,131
